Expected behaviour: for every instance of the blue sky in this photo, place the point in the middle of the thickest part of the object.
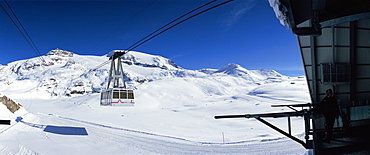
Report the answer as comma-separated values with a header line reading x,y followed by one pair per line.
x,y
245,32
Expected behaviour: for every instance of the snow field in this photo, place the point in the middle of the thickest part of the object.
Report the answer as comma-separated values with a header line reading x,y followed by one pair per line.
x,y
174,111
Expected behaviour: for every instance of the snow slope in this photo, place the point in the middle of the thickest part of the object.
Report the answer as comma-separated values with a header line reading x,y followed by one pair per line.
x,y
173,113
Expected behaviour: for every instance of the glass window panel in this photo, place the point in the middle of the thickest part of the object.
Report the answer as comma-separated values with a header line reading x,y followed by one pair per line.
x,y
123,94
130,95
116,95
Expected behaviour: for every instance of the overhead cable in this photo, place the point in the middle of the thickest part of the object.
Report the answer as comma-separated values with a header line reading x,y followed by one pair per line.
x,y
25,35
123,23
101,65
218,5
172,22
144,40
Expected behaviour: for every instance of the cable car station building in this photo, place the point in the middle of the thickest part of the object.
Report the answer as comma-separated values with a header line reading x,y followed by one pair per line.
x,y
334,41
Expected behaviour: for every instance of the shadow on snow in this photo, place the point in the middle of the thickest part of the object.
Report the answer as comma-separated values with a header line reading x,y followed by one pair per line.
x,y
62,130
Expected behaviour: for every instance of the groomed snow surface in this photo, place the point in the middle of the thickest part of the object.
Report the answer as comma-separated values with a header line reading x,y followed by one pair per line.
x,y
174,111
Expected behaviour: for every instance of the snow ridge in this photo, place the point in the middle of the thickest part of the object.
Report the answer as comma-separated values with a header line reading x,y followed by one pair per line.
x,y
61,74
146,60
59,52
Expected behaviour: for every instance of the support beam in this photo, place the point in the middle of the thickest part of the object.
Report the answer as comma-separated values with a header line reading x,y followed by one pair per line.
x,y
281,131
5,122
314,93
353,55
116,74
305,113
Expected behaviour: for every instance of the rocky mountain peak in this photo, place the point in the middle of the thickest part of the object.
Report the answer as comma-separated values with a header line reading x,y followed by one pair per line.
x,y
60,52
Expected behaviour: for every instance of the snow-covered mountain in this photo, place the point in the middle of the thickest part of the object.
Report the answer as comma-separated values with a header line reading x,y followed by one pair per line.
x,y
173,113
64,73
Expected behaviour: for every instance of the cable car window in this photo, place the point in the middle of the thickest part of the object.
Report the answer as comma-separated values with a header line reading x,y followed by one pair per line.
x,y
130,94
116,95
123,94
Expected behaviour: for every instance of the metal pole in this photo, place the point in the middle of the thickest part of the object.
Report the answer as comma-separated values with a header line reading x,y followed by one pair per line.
x,y
309,144
289,126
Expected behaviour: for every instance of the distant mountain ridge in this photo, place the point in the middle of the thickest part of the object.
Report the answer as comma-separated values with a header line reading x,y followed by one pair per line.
x,y
66,74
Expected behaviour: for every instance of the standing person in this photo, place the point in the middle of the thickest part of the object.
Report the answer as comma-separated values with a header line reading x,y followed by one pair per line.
x,y
330,109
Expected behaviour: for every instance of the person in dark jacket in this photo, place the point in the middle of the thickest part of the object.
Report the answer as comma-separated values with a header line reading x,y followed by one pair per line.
x,y
330,109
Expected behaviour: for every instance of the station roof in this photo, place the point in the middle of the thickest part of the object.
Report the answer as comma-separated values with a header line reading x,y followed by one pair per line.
x,y
321,11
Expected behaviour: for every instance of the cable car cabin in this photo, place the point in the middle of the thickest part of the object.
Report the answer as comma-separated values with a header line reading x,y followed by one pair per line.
x,y
117,97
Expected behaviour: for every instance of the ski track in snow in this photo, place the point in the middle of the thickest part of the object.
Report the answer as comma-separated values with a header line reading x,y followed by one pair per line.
x,y
104,139
274,98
